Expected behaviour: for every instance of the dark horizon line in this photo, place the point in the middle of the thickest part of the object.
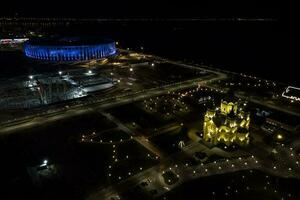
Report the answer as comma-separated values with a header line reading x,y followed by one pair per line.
x,y
142,19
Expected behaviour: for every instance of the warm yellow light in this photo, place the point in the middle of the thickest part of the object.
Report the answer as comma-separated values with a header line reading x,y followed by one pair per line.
x,y
279,137
227,131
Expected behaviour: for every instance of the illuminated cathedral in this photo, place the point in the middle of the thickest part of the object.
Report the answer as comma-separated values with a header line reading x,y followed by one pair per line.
x,y
228,124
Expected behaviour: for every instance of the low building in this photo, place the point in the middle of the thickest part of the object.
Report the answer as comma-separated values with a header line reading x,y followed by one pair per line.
x,y
227,124
282,123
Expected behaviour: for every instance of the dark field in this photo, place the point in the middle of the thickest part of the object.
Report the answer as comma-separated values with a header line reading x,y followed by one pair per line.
x,y
238,185
80,167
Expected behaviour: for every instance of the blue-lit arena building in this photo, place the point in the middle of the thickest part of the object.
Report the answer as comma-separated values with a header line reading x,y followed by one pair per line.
x,y
69,49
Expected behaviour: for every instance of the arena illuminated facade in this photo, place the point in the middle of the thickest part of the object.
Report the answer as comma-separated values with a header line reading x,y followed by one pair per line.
x,y
69,49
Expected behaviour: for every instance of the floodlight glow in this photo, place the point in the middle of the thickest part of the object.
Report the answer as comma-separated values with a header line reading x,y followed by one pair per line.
x,y
69,49
279,137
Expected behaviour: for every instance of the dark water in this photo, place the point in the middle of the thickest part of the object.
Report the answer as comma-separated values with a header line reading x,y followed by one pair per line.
x,y
267,49
263,48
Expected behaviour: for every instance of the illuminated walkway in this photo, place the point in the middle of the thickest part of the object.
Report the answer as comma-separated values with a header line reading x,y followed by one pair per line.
x,y
143,141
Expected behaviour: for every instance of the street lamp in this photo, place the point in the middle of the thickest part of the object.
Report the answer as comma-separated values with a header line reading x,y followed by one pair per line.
x,y
31,77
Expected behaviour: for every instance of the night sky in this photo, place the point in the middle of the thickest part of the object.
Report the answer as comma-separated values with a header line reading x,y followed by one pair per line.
x,y
276,48
143,8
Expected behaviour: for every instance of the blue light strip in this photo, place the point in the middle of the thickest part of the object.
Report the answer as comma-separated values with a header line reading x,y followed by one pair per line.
x,y
69,53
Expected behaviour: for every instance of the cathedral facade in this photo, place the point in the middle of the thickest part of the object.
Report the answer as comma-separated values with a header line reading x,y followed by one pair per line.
x,y
228,124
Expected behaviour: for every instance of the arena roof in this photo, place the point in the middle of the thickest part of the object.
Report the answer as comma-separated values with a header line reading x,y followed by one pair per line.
x,y
69,41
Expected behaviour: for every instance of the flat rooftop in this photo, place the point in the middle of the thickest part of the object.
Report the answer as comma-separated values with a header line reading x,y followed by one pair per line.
x,y
69,41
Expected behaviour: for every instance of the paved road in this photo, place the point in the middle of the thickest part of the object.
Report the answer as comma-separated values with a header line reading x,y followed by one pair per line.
x,y
143,141
263,103
187,173
133,180
101,104
285,164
